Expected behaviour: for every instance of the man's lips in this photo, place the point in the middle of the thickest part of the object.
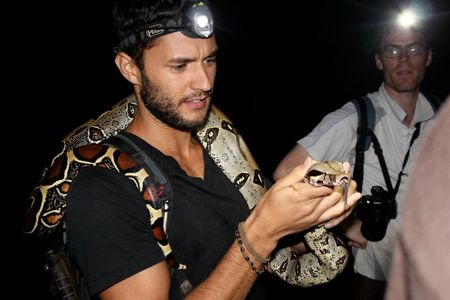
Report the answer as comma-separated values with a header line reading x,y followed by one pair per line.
x,y
404,72
196,102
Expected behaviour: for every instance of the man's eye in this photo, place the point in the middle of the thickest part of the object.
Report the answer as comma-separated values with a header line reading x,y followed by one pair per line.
x,y
211,60
178,67
392,50
415,49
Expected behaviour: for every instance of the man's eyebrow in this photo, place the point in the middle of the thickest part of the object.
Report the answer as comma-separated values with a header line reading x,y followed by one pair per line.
x,y
181,60
403,45
213,53
185,60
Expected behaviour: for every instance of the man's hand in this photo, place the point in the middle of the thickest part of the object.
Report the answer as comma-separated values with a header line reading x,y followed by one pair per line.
x,y
354,235
351,193
292,205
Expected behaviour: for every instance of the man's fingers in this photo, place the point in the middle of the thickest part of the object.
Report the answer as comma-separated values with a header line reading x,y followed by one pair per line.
x,y
340,211
346,166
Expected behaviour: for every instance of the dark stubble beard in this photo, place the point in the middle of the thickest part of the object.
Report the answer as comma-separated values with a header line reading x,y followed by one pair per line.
x,y
164,108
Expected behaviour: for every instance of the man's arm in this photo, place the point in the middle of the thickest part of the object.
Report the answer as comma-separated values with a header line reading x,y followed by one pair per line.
x,y
289,206
154,281
296,156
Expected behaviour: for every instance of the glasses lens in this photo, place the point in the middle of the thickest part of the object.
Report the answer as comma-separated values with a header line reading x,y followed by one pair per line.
x,y
392,51
415,49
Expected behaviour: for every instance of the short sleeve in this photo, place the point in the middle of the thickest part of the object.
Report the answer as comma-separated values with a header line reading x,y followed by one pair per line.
x,y
335,136
108,229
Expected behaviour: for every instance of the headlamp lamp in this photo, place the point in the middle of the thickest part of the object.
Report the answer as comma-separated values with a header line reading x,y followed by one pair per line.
x,y
195,21
407,18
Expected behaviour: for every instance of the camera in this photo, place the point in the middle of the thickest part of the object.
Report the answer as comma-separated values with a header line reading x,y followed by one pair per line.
x,y
375,211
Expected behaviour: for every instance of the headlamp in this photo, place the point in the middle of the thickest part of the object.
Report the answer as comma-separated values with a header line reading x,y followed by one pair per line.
x,y
407,18
195,21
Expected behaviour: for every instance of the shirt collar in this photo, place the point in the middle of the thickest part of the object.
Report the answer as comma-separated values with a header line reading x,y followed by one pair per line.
x,y
424,111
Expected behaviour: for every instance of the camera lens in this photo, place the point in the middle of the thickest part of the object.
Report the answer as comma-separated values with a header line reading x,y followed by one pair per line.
x,y
377,190
375,212
374,227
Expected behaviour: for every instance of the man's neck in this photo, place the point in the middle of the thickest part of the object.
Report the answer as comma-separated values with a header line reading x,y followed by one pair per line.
x,y
180,145
406,100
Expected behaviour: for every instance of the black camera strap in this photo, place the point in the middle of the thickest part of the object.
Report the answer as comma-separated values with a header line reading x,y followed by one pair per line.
x,y
405,160
366,125
376,210
379,152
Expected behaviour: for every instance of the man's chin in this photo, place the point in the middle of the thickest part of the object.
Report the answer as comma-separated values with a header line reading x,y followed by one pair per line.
x,y
199,124
407,89
406,86
201,118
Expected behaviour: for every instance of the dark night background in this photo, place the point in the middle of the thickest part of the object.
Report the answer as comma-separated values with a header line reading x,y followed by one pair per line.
x,y
280,70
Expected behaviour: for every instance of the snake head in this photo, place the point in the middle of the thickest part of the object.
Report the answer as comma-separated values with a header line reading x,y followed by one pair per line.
x,y
329,173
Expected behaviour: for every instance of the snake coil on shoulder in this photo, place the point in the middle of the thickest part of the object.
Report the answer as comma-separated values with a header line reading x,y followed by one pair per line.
x,y
81,148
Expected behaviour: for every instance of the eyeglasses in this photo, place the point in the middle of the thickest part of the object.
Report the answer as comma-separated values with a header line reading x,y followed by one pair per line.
x,y
395,51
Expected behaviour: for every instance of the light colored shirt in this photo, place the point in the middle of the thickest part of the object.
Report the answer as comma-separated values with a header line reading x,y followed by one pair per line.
x,y
334,138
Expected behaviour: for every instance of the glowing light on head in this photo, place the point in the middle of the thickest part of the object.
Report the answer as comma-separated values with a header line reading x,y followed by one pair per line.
x,y
202,21
407,18
195,20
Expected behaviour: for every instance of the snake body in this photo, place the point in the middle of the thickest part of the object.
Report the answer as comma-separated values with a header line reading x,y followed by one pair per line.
x,y
82,148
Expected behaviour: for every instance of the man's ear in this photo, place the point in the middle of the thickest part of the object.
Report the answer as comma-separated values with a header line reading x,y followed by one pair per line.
x,y
127,67
378,62
429,58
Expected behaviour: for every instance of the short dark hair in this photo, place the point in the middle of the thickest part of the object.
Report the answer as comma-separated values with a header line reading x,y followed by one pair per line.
x,y
130,15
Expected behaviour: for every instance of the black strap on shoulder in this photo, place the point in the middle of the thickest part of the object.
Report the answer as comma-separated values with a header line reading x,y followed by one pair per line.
x,y
157,177
366,121
366,136
180,284
379,153
405,160
366,113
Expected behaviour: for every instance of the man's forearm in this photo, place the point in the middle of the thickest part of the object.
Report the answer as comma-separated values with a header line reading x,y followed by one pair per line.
x,y
231,279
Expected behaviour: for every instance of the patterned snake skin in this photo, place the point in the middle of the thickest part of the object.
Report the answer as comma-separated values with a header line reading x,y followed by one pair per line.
x,y
47,204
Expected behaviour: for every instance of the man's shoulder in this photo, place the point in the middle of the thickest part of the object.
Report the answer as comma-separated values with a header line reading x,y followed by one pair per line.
x,y
372,97
93,182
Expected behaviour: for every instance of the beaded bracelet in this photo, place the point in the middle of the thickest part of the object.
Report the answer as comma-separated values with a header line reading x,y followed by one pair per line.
x,y
246,257
249,246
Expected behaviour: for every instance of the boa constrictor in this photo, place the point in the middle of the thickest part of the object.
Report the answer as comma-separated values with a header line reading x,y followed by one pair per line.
x,y
47,204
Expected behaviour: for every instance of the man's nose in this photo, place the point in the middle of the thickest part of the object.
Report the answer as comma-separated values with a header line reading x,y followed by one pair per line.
x,y
202,80
404,55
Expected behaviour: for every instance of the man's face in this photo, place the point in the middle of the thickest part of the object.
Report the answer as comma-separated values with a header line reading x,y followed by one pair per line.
x,y
403,59
178,80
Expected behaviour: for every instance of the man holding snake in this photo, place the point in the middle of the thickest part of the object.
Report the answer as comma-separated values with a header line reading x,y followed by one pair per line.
x,y
167,51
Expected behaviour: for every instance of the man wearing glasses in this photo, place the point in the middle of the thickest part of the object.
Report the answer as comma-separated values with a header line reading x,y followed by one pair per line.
x,y
399,108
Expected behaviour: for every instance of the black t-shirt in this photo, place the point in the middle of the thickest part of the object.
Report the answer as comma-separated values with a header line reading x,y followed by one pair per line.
x,y
108,226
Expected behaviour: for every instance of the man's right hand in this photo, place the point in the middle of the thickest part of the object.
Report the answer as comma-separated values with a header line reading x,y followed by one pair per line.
x,y
291,206
354,235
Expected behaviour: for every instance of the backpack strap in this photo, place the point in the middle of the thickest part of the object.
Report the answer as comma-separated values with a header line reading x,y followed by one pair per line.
x,y
366,121
51,197
181,285
158,178
366,136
